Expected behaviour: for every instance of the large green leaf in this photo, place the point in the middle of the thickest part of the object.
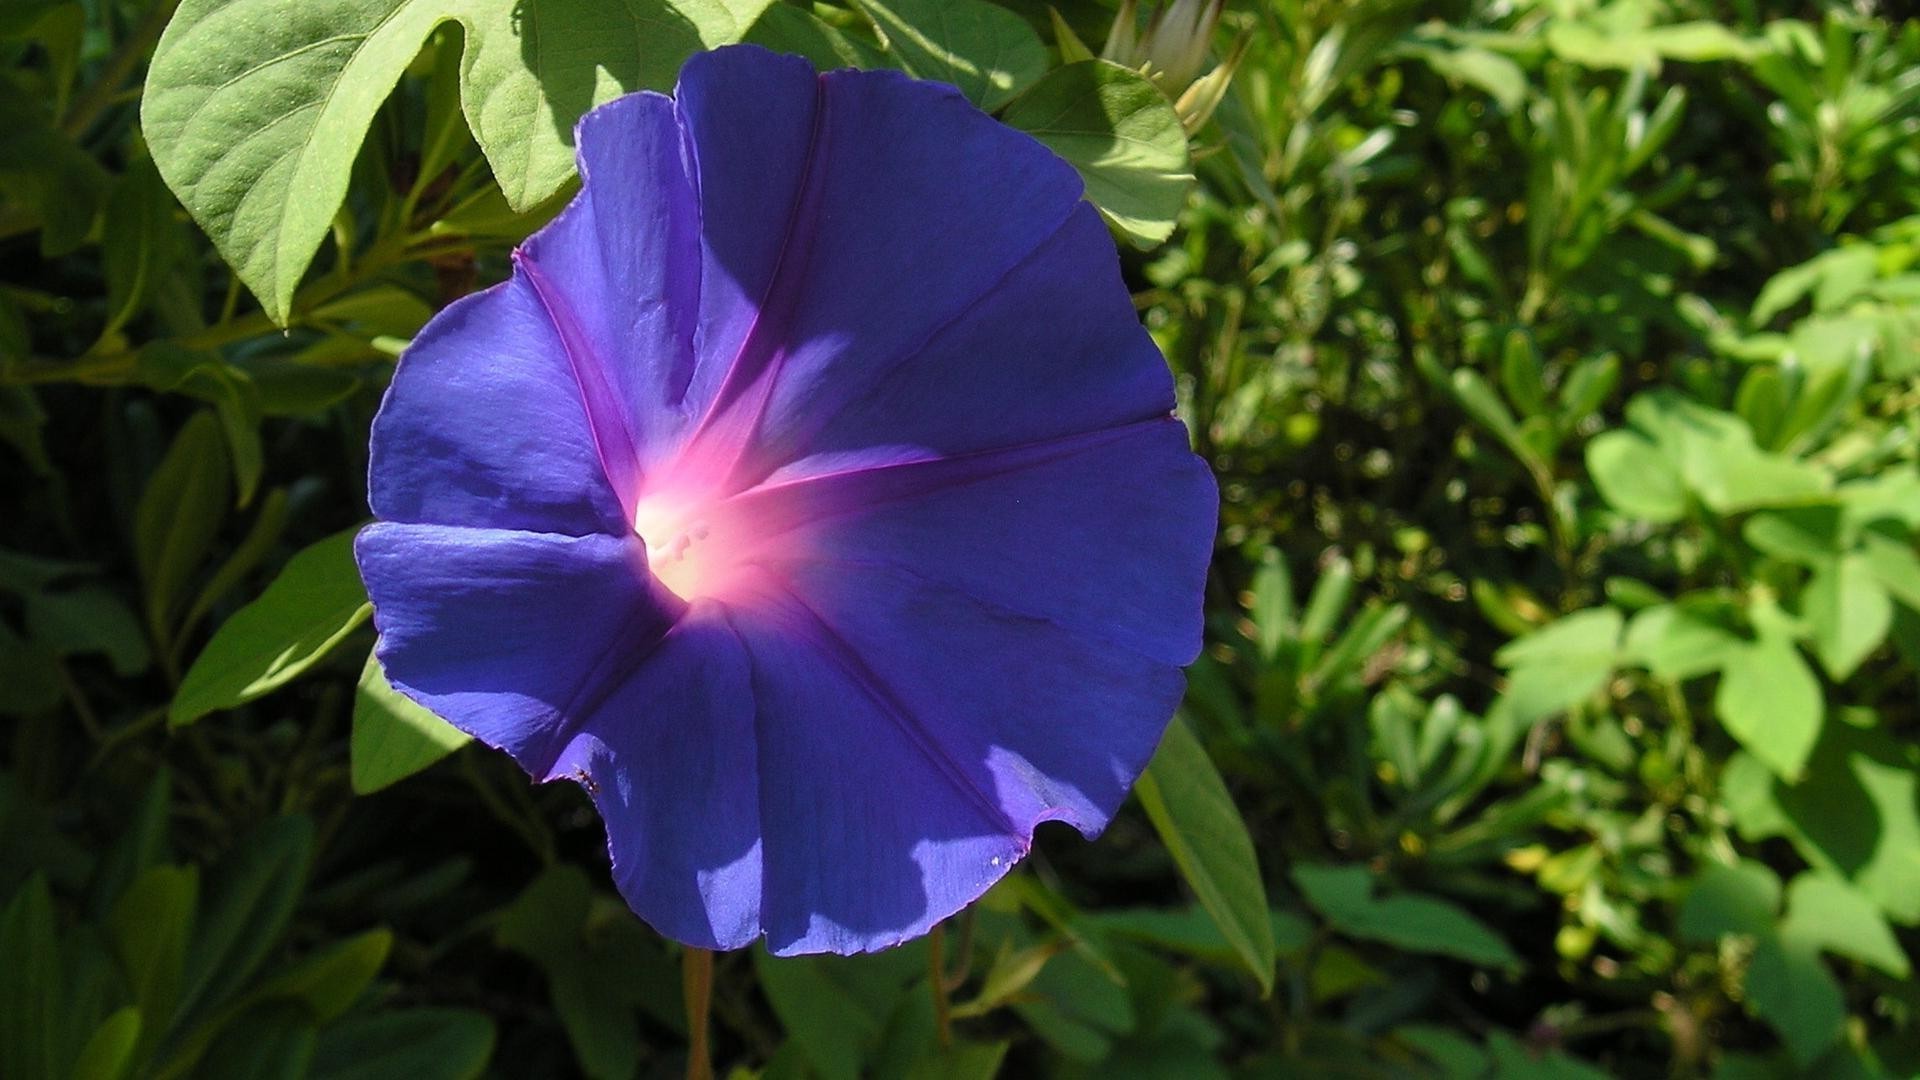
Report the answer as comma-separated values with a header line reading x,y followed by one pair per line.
x,y
1190,808
314,603
1770,700
1563,663
1123,135
1788,987
394,736
1848,612
255,109
533,67
1827,912
1856,812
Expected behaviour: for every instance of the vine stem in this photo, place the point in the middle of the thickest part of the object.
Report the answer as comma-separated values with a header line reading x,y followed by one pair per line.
x,y
696,985
105,88
937,977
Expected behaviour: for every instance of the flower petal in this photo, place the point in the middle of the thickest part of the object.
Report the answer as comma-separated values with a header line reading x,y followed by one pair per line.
x,y
979,381
749,120
912,205
619,271
1105,534
1049,724
669,760
871,834
512,637
483,426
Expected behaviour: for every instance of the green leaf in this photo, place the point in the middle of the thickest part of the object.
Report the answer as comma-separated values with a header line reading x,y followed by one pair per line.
x,y
1635,477
1190,808
1830,914
1894,565
1802,535
203,375
149,930
1011,972
1272,604
272,1042
1561,664
405,1044
963,1060
108,1053
1789,988
315,603
832,1027
1501,78
250,900
140,845
990,53
328,981
1848,613
1692,636
1124,137
789,29
1344,894
1724,900
178,515
594,991
139,242
256,109
394,736
90,619
57,183
1769,700
534,68
1856,813
31,983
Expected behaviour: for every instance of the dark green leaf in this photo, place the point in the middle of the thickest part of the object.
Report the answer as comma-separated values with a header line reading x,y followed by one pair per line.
x,y
1344,894
405,1044
250,899
179,513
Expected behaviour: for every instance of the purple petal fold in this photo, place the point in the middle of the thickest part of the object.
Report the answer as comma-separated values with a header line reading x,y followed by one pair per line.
x,y
515,637
483,426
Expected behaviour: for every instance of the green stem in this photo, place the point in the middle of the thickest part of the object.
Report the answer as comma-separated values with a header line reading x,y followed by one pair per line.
x,y
696,985
102,92
937,978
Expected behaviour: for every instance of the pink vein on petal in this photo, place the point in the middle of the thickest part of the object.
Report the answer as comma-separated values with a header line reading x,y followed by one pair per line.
x,y
607,418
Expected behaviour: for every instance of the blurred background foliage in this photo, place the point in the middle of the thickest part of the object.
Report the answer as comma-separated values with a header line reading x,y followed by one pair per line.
x,y
1560,363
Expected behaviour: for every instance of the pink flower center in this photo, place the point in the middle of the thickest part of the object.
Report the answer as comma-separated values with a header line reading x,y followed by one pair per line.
x,y
682,550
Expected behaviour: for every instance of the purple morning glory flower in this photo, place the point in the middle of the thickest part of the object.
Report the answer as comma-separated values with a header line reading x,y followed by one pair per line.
x,y
811,494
